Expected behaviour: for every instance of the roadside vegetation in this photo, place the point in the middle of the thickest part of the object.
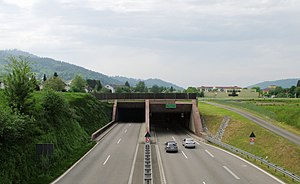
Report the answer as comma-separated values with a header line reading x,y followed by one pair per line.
x,y
282,112
29,117
267,144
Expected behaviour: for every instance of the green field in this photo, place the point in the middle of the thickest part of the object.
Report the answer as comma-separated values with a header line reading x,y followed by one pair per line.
x,y
267,145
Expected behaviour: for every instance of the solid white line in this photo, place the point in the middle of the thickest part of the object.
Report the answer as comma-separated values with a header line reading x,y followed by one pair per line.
x,y
125,131
129,124
270,175
133,164
119,141
173,138
106,160
209,153
184,154
160,165
228,170
204,182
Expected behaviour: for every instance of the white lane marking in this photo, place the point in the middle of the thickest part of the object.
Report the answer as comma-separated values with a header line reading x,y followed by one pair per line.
x,y
197,142
106,160
184,154
204,182
173,138
125,131
129,124
119,141
160,165
270,175
209,154
133,164
228,170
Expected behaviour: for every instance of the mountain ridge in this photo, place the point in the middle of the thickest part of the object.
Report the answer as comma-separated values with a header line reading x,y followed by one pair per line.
x,y
284,83
67,71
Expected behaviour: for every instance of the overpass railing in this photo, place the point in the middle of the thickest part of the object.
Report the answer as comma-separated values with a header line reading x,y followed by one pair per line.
x,y
293,176
143,96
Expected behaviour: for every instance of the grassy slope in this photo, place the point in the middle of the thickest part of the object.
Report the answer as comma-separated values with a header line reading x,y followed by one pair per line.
x,y
278,150
71,140
284,113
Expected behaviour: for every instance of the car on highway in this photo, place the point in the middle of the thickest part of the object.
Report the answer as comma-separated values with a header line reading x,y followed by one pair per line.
x,y
171,146
188,143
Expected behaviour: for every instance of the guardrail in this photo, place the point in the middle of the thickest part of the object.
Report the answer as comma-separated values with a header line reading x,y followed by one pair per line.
x,y
147,164
293,176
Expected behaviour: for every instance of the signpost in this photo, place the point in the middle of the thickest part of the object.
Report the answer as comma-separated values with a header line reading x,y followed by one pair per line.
x,y
252,138
147,135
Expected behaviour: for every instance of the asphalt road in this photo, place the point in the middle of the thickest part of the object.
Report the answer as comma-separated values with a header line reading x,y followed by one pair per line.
x,y
279,131
110,161
204,164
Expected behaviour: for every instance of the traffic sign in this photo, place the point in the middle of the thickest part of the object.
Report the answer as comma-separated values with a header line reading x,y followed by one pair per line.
x,y
252,134
147,134
170,106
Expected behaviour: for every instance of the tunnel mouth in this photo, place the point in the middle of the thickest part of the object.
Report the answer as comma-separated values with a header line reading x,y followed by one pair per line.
x,y
175,120
133,112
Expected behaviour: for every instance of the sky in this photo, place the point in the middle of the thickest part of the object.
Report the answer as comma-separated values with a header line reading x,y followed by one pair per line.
x,y
186,42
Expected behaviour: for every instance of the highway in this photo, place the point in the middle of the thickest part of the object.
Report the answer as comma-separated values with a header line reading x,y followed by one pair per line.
x,y
277,130
204,164
118,158
110,161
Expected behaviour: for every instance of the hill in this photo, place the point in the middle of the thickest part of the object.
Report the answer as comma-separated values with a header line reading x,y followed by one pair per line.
x,y
68,71
285,83
148,82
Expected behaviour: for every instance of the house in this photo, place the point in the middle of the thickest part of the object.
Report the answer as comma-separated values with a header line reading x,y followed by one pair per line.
x,y
112,89
227,89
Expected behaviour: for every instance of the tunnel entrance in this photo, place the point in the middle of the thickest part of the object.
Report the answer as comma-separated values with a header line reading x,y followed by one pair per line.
x,y
131,112
170,120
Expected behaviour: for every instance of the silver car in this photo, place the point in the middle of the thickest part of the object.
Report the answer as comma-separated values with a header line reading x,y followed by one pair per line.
x,y
171,146
188,143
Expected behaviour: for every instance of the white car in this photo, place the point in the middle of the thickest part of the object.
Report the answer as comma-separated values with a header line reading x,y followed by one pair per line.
x,y
188,143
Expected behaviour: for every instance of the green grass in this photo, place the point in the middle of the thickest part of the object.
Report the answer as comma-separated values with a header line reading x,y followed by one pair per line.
x,y
277,149
284,113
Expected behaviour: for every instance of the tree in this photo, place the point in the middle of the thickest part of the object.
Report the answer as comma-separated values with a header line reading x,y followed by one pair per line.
x,y
122,89
94,84
297,92
44,78
257,89
171,89
140,87
155,89
298,83
78,84
127,84
55,74
18,84
191,90
55,83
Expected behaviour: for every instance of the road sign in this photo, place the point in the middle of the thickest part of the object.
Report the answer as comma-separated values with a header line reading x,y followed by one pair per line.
x,y
170,106
147,135
252,135
252,138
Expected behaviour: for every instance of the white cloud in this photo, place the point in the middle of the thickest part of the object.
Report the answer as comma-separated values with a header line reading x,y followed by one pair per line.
x,y
193,42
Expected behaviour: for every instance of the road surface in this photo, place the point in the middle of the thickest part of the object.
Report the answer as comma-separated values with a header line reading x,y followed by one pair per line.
x,y
110,161
204,164
279,131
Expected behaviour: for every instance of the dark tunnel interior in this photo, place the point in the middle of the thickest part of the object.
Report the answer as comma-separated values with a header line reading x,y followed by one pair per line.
x,y
131,114
164,119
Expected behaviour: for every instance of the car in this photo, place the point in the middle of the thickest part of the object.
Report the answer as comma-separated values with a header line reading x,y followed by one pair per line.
x,y
188,143
171,146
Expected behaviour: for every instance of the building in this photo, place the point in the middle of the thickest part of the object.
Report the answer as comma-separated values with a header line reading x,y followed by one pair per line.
x,y
228,89
112,89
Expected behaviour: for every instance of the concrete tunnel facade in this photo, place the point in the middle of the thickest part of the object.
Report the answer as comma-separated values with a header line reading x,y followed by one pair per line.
x,y
185,114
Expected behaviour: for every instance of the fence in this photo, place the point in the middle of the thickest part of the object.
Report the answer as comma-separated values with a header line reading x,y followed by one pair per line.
x,y
293,176
143,96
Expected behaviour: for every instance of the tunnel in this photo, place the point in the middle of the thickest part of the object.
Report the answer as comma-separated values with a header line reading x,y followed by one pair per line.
x,y
131,112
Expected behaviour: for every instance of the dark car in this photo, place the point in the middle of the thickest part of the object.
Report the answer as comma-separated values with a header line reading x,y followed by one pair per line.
x,y
171,146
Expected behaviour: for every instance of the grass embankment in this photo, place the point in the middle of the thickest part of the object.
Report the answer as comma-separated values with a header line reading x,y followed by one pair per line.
x,y
64,119
284,113
267,144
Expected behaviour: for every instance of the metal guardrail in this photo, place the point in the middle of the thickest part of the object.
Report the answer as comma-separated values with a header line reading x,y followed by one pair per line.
x,y
293,176
147,164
